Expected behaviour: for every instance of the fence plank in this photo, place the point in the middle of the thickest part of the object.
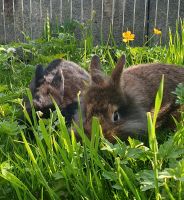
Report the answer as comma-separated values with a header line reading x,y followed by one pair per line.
x,y
45,13
19,20
87,7
96,28
66,11
107,18
139,21
76,10
55,14
38,12
17,16
181,9
176,13
128,15
45,9
118,21
8,13
27,18
87,17
2,35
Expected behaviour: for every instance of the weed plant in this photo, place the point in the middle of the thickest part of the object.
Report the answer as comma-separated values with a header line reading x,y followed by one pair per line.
x,y
54,165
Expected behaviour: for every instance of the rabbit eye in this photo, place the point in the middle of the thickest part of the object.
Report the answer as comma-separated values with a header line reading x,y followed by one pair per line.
x,y
115,116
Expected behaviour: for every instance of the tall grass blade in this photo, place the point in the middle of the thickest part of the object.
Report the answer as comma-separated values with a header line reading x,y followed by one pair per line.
x,y
158,101
152,135
131,186
28,149
65,137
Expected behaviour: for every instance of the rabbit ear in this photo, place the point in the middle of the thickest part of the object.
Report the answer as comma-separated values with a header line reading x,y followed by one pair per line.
x,y
116,73
39,74
58,80
95,63
95,71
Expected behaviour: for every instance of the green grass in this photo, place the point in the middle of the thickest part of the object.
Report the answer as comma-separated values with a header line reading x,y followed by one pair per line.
x,y
175,50
55,165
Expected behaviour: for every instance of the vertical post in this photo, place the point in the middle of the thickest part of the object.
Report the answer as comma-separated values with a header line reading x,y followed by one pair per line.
x,y
145,21
148,22
133,28
179,9
4,23
123,20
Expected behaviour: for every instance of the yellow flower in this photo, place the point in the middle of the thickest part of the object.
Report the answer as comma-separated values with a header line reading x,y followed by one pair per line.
x,y
128,36
157,31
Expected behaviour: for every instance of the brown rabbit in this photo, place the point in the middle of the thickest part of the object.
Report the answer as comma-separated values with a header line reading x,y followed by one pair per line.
x,y
62,80
122,100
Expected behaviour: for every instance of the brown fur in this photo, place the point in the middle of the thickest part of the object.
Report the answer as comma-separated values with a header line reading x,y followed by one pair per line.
x,y
131,94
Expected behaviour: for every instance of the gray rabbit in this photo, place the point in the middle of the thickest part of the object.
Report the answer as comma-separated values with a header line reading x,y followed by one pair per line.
x,y
62,80
121,100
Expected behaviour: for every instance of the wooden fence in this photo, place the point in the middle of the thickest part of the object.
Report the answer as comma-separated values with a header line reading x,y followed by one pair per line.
x,y
139,16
